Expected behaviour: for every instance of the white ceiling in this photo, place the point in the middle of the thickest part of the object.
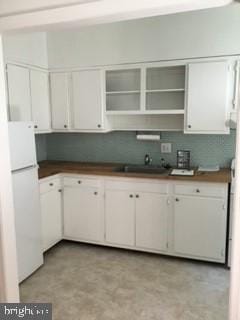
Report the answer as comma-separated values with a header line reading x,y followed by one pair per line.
x,y
10,7
15,14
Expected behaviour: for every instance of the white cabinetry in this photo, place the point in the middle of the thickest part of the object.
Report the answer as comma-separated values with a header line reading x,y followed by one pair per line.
x,y
120,217
145,97
137,214
60,100
19,97
83,209
123,93
152,221
178,218
51,212
40,100
208,99
200,220
87,100
28,96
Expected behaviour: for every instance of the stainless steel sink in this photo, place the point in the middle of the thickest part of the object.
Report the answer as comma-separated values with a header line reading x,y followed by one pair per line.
x,y
143,169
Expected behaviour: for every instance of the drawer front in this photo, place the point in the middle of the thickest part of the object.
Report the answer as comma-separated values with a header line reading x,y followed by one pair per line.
x,y
138,186
50,185
81,182
201,190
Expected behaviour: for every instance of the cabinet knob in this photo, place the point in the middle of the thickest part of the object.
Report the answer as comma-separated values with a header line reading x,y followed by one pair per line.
x,y
95,193
51,184
189,126
131,196
99,126
177,200
197,190
59,190
35,126
65,126
79,181
137,195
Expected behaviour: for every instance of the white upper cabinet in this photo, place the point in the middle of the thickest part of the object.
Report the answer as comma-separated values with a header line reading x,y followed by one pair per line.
x,y
28,96
40,100
208,97
19,97
87,100
194,96
60,102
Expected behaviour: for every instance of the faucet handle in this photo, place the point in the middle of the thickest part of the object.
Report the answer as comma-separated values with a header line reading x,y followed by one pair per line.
x,y
147,159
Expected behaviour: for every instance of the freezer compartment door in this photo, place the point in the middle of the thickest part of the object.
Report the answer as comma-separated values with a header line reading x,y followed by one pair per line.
x,y
22,145
27,221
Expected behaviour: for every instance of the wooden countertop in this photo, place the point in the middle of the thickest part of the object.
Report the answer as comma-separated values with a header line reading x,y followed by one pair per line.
x,y
49,168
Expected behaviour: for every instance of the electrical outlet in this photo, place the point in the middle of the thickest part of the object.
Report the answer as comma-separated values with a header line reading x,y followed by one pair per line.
x,y
166,147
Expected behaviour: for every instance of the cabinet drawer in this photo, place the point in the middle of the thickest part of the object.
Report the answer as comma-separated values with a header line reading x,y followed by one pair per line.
x,y
80,181
50,185
137,186
200,190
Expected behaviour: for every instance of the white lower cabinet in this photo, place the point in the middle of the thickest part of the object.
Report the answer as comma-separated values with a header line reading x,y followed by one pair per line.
x,y
185,219
120,217
200,225
136,214
152,221
51,212
83,209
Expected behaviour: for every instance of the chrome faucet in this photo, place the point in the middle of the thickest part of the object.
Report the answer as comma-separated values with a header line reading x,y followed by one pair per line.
x,y
147,160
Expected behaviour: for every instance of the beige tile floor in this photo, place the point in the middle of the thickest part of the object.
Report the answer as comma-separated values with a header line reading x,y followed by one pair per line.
x,y
86,282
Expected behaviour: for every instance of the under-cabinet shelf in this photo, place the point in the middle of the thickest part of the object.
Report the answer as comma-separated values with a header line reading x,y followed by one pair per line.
x,y
122,92
123,102
164,100
146,112
165,90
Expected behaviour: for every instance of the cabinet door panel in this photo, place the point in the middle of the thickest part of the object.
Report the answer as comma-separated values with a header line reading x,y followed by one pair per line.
x,y
151,221
120,217
51,218
19,97
40,100
59,84
207,97
87,100
83,214
200,227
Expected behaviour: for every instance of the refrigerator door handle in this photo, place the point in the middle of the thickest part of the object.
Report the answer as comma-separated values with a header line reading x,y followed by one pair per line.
x,y
24,169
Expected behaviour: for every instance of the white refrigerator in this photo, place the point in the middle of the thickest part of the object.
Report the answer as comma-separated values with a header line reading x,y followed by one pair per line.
x,y
26,198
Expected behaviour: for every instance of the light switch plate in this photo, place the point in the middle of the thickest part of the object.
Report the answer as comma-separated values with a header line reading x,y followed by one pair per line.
x,y
166,147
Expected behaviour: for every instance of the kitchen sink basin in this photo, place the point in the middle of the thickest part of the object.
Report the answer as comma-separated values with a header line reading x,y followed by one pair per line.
x,y
143,169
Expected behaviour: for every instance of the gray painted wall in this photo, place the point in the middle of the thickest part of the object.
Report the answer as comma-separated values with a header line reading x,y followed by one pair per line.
x,y
202,33
123,147
27,48
41,146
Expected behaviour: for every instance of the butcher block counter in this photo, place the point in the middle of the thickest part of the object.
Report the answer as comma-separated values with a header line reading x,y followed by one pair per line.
x,y
49,168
